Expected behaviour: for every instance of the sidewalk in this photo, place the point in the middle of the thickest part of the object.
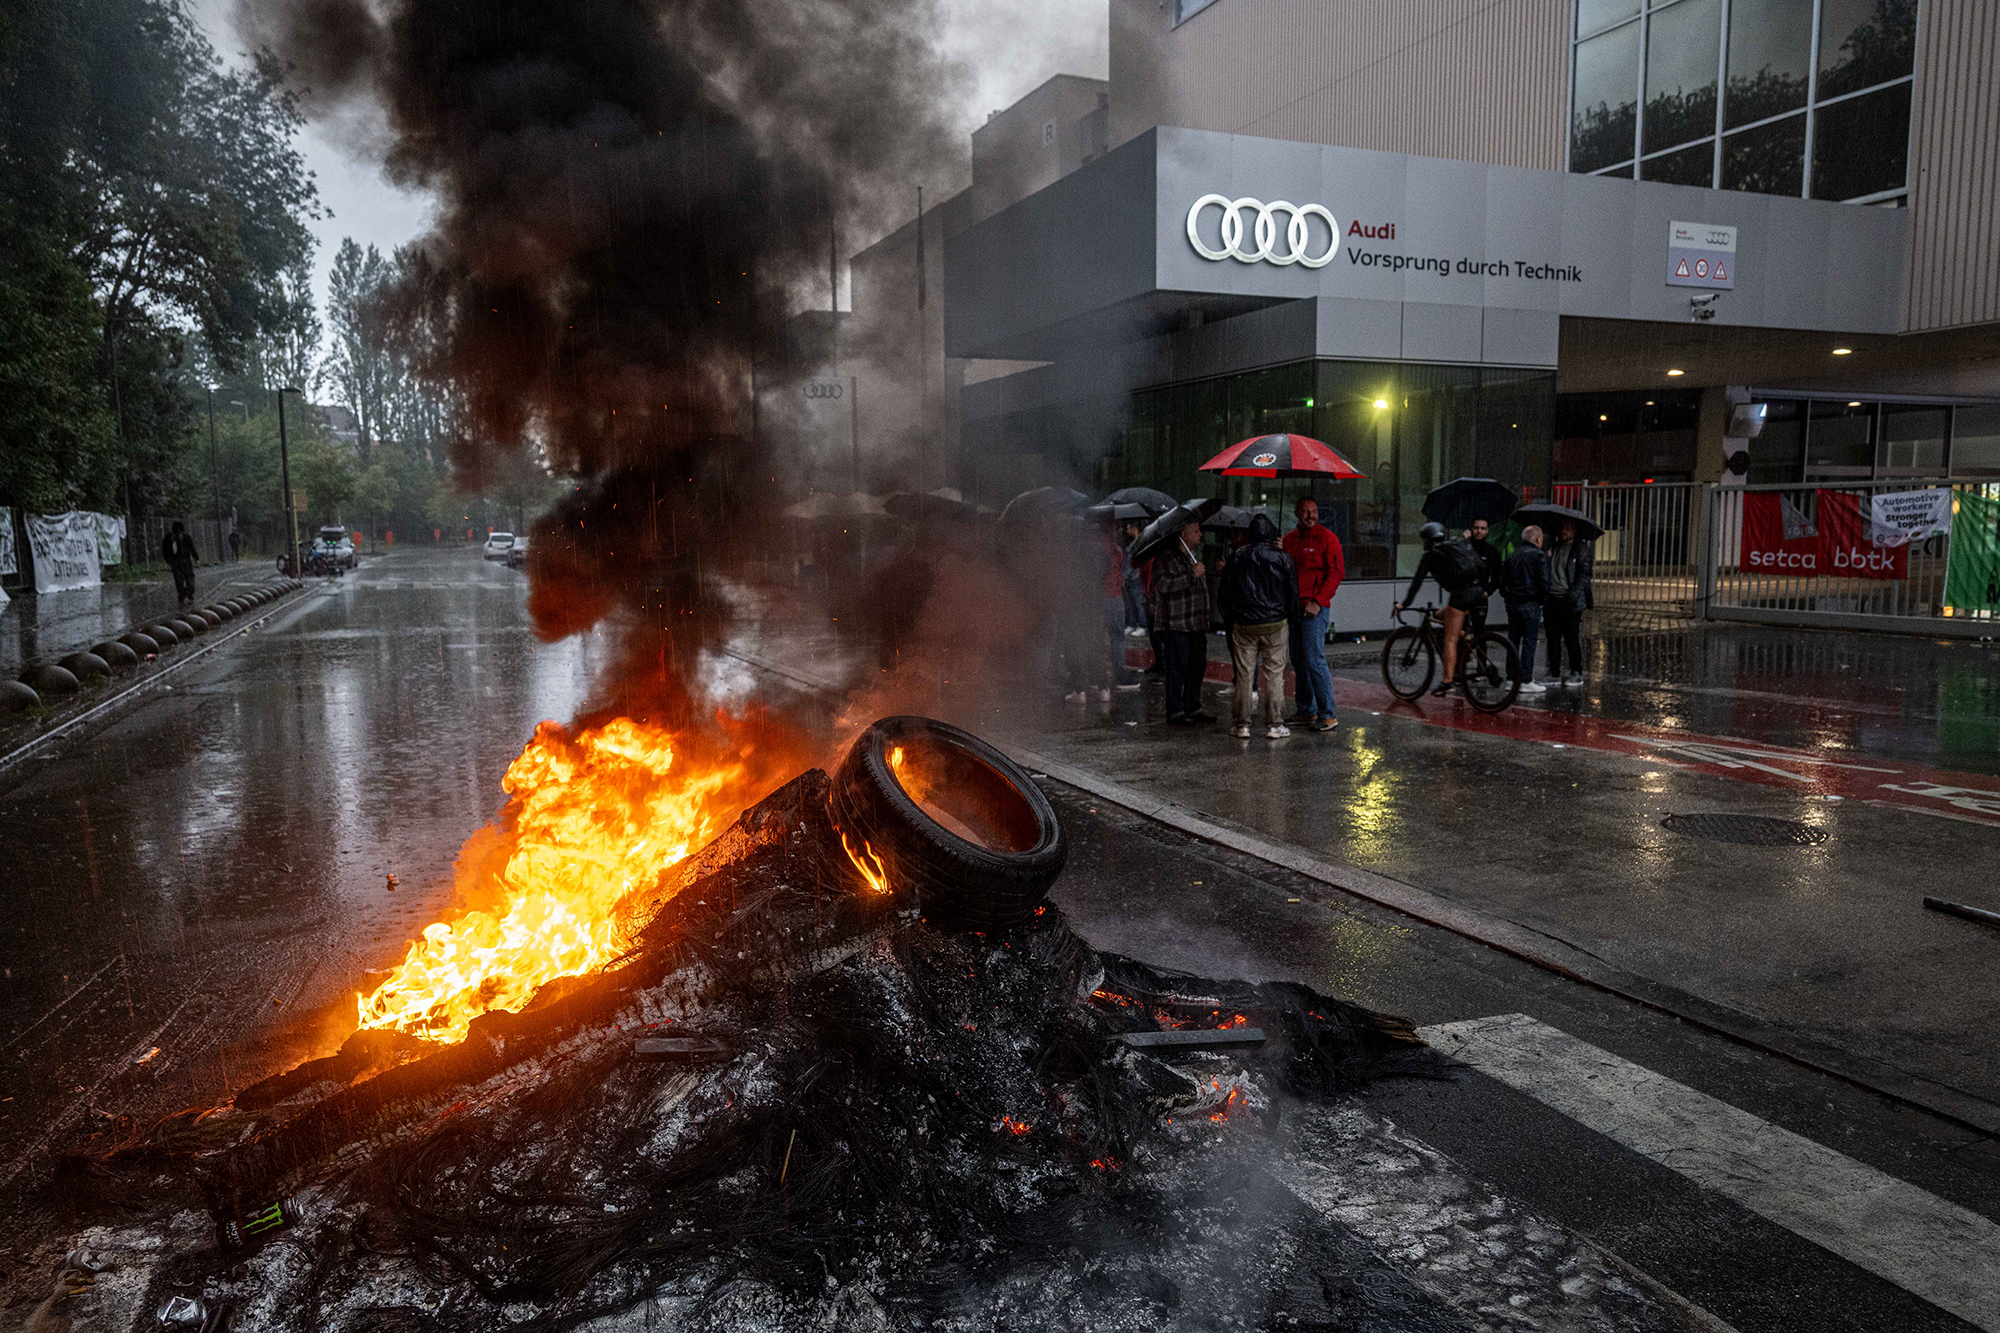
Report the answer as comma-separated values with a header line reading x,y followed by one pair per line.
x,y
57,623
1546,822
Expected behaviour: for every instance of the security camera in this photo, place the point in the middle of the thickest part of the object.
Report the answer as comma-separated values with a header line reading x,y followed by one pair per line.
x,y
1704,306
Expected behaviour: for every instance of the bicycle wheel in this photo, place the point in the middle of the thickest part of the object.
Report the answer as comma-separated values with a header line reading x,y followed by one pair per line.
x,y
1408,663
1491,671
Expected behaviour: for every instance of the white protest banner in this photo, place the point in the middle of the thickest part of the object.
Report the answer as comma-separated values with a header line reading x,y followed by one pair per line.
x,y
110,538
64,549
1906,516
8,564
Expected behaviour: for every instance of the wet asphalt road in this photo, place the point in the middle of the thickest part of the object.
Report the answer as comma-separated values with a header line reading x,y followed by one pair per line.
x,y
207,877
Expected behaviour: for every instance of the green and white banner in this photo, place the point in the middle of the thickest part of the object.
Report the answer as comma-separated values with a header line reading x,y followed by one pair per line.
x,y
1972,573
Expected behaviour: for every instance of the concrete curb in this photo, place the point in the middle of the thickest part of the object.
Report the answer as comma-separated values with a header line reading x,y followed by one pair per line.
x,y
11,760
1543,951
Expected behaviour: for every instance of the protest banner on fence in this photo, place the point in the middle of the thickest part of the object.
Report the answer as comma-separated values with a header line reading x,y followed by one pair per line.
x,y
9,562
1847,545
110,538
1909,516
1777,539
64,549
1972,572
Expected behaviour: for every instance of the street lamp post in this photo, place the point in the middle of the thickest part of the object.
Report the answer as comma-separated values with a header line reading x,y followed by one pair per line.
x,y
285,470
215,473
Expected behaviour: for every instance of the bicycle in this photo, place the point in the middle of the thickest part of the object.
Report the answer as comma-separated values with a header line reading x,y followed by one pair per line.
x,y
1488,666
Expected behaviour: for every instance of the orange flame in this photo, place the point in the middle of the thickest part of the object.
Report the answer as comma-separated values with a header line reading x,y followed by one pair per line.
x,y
867,862
591,819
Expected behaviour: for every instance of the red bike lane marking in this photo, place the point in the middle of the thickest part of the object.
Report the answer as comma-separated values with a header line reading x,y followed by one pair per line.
x,y
1886,781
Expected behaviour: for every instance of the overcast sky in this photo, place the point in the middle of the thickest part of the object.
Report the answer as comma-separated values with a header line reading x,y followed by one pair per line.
x,y
1069,37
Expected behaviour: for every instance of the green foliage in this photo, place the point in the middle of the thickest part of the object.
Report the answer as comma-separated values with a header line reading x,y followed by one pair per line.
x,y
152,231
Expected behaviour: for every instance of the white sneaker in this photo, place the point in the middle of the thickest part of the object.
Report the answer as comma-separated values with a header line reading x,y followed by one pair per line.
x,y
1533,687
1241,731
1575,682
1278,732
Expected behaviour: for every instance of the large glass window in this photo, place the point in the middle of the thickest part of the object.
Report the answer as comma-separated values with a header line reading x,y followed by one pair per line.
x,y
1850,59
1606,99
1864,42
1841,443
1680,73
1861,146
1912,441
1975,441
1770,59
1687,166
1778,452
1769,159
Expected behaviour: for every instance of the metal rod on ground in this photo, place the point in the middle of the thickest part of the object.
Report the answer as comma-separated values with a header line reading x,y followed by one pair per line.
x,y
788,1157
1979,914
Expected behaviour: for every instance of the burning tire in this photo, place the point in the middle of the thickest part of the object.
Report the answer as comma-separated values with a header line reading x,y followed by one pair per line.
x,y
952,818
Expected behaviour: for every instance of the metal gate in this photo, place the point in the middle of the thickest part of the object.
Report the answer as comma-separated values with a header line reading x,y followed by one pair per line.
x,y
1649,558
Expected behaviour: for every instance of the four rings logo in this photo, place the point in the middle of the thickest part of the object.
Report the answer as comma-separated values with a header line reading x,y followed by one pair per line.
x,y
1264,232
823,389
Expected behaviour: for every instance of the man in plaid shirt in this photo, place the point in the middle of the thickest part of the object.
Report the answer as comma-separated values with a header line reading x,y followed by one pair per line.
x,y
1181,615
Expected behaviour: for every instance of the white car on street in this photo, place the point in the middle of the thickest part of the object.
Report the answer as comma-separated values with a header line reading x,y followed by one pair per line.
x,y
498,544
517,554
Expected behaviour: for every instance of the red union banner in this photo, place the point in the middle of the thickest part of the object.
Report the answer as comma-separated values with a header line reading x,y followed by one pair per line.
x,y
1776,537
1847,546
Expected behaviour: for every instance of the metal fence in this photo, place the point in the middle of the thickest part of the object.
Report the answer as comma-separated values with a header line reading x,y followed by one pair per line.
x,y
1678,550
144,538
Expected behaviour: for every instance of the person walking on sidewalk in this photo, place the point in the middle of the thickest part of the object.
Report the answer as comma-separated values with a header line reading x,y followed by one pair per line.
x,y
1570,561
1315,552
1260,596
235,544
1524,587
1180,616
179,551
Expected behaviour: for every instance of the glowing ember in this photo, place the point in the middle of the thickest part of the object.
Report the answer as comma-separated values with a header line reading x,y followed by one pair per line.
x,y
592,818
1007,1124
867,862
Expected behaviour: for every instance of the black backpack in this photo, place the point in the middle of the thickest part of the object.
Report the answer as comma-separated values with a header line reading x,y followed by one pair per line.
x,y
1458,565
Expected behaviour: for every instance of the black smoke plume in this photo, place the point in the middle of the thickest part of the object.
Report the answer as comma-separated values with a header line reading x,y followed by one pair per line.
x,y
633,194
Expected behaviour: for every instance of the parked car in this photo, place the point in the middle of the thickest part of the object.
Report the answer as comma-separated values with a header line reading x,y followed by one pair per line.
x,y
517,554
498,544
338,545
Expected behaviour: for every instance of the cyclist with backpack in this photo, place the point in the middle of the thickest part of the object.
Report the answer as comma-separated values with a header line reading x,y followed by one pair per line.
x,y
1457,569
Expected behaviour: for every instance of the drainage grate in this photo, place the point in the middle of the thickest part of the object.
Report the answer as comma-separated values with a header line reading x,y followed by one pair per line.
x,y
1747,830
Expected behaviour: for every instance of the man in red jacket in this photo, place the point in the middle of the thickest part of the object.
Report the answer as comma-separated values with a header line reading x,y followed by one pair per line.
x,y
1316,553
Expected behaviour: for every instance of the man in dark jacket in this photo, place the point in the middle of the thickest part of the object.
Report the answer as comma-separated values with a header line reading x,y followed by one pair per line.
x,y
1180,616
1260,596
179,551
1524,587
1570,562
1489,560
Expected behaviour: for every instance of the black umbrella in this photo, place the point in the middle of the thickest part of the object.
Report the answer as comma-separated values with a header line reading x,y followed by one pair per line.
x,y
1552,516
1042,503
1165,528
1228,517
1156,502
1119,513
1459,501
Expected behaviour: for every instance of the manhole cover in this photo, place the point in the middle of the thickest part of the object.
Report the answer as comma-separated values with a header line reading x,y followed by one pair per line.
x,y
1747,830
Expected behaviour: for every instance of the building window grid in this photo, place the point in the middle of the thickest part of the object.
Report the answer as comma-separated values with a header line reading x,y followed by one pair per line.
x,y
1644,18
1877,419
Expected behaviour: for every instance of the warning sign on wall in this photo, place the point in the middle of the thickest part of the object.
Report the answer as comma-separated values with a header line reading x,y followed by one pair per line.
x,y
1701,254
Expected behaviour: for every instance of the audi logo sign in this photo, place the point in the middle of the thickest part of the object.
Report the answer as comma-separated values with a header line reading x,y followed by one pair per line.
x,y
1297,238
821,389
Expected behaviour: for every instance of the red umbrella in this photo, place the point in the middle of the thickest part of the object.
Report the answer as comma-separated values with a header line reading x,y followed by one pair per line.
x,y
1283,456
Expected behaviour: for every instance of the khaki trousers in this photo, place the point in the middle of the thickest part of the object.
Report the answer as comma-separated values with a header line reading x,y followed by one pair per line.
x,y
1252,647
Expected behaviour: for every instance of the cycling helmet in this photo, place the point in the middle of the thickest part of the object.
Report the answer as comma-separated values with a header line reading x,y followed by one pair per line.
x,y
1431,533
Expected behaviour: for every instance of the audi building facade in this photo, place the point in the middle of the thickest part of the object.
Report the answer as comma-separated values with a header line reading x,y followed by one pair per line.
x,y
1541,241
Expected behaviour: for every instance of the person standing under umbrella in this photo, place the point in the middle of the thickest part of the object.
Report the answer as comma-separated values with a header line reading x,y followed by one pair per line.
x,y
1489,559
1321,565
1180,614
1570,561
1524,586
1260,598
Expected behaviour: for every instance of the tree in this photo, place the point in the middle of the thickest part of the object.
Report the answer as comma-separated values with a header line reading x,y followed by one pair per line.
x,y
362,364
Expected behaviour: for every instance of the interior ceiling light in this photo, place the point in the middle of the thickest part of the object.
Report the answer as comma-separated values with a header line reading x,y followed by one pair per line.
x,y
1854,404
1843,351
1602,417
1672,373
1381,403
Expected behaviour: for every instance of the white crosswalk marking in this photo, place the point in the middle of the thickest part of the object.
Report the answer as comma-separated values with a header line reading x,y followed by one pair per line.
x,y
1931,1248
